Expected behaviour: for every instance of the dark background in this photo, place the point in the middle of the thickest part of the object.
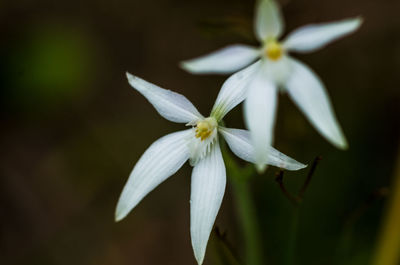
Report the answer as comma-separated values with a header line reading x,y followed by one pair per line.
x,y
72,129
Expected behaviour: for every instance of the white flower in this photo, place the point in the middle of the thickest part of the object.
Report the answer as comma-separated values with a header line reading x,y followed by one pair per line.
x,y
277,69
200,145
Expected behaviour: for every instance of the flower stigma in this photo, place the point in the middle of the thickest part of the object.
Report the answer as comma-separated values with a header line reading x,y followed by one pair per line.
x,y
273,50
204,128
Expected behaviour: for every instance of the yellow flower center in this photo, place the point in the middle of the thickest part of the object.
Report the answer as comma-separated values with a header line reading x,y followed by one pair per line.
x,y
204,128
273,50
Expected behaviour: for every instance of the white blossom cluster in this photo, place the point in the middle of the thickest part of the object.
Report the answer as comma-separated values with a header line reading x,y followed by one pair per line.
x,y
258,74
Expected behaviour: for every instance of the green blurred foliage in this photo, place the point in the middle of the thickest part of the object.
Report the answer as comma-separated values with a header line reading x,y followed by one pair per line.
x,y
50,66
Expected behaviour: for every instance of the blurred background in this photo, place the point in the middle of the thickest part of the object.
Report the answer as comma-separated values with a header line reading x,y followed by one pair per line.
x,y
72,129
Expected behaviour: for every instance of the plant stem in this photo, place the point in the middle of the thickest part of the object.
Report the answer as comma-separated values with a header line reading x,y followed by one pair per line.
x,y
291,248
246,210
297,202
250,226
224,252
388,248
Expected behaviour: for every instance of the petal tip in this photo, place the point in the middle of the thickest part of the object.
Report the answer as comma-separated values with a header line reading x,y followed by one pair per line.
x,y
298,166
120,212
118,216
129,75
360,20
357,22
186,66
132,79
199,253
261,168
199,260
192,67
293,167
343,145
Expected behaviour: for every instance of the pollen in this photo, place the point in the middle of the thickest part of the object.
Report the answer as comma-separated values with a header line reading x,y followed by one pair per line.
x,y
204,128
273,50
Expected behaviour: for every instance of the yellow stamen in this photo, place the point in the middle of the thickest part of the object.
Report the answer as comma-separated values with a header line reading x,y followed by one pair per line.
x,y
273,50
204,128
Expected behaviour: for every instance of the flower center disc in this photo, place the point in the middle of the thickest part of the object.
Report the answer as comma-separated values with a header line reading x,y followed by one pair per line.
x,y
273,50
204,128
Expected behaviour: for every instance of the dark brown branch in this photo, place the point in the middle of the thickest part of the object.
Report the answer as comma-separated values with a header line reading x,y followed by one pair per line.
x,y
296,200
279,179
309,177
225,248
373,197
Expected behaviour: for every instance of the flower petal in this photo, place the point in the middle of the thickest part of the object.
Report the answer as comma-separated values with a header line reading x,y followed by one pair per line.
x,y
259,110
161,160
268,22
233,91
239,142
277,71
308,92
171,105
224,61
208,187
313,37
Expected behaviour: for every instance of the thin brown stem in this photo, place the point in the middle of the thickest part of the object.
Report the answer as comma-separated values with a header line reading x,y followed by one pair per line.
x,y
225,249
279,180
310,174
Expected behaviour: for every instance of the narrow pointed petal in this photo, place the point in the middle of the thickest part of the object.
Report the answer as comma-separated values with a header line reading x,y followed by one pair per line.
x,y
268,22
313,37
259,110
208,187
161,160
224,61
308,92
171,105
233,91
239,142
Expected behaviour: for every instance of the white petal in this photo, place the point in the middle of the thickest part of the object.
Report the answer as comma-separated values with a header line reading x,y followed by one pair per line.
x,y
169,104
308,92
161,160
208,187
268,22
259,110
239,142
277,71
233,91
313,37
224,61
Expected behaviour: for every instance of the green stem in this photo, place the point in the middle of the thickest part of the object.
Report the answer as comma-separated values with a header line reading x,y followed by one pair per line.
x,y
291,248
297,202
388,248
223,251
246,210
250,226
